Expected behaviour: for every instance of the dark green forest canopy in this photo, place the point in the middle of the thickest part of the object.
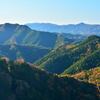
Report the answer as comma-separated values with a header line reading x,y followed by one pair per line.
x,y
74,59
22,81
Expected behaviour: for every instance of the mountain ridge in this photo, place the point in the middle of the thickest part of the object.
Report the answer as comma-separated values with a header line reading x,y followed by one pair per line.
x,y
62,58
81,28
22,81
21,34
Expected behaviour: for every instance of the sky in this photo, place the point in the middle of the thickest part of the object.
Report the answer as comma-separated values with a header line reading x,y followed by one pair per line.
x,y
50,11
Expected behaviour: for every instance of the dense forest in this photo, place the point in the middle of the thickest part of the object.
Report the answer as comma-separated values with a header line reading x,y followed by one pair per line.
x,y
37,65
22,81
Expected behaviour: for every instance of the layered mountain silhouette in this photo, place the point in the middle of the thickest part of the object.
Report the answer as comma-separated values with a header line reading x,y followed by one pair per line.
x,y
81,28
52,65
19,40
23,35
73,58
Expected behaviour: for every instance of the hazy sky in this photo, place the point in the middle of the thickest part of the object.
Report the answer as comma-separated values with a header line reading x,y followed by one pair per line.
x,y
54,11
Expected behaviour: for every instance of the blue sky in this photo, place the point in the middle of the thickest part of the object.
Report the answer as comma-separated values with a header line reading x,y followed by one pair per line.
x,y
53,11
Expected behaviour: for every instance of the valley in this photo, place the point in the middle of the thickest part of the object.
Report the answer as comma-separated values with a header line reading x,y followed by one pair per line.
x,y
42,65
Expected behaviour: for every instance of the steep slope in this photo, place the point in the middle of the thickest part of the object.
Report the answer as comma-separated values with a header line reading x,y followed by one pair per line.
x,y
91,76
62,58
85,63
19,40
6,31
23,35
28,53
81,28
24,82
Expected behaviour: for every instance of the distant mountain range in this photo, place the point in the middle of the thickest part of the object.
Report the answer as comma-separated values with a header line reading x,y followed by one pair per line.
x,y
49,65
23,35
20,41
81,28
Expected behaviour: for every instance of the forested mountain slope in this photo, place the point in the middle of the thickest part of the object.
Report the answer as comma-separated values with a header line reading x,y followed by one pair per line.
x,y
21,81
73,57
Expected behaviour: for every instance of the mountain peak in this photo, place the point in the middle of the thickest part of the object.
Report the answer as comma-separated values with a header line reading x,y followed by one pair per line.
x,y
9,24
80,28
82,23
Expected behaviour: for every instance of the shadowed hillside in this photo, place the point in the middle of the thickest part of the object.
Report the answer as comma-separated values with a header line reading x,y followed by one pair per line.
x,y
21,81
72,59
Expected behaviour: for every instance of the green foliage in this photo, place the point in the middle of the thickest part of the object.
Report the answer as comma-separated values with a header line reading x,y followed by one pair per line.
x,y
25,82
85,63
74,59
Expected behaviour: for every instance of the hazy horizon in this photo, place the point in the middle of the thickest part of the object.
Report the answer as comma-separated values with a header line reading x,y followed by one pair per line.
x,y
60,12
51,23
